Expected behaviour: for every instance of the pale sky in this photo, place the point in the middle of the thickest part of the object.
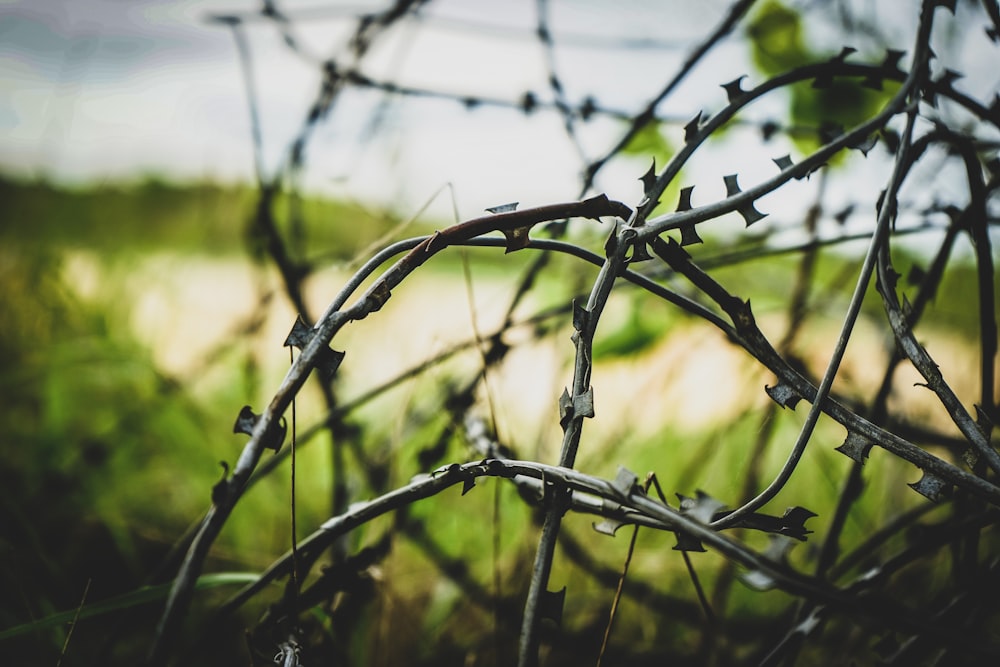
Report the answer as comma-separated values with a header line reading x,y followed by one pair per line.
x,y
104,89
97,90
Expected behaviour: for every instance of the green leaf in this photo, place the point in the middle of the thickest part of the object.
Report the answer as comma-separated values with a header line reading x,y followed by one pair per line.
x,y
776,40
778,44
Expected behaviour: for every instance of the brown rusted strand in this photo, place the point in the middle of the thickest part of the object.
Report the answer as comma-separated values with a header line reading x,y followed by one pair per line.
x,y
594,208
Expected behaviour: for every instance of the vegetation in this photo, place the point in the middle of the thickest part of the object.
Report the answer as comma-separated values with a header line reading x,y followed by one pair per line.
x,y
157,215
773,445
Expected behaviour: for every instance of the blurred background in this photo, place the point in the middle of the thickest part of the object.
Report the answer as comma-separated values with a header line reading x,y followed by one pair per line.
x,y
158,159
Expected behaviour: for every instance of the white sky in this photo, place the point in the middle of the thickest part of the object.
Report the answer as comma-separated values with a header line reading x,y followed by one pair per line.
x,y
95,90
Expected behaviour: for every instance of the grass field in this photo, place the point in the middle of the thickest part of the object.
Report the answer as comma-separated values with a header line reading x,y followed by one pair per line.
x,y
139,318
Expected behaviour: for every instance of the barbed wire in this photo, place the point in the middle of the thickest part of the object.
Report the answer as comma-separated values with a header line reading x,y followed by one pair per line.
x,y
656,255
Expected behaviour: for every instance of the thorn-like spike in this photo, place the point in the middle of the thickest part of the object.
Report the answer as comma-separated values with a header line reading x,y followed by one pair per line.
x,y
948,77
784,162
844,53
686,542
855,447
565,408
866,145
625,482
734,89
749,213
299,335
931,487
245,421
278,437
691,129
702,507
467,484
783,395
550,605
517,238
684,203
732,185
844,214
768,129
607,526
583,405
328,360
649,178
890,66
689,235
639,252
581,316
503,208
892,58
793,522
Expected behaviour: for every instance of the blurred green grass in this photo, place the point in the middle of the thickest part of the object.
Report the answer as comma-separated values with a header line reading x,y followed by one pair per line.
x,y
105,460
108,458
152,214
